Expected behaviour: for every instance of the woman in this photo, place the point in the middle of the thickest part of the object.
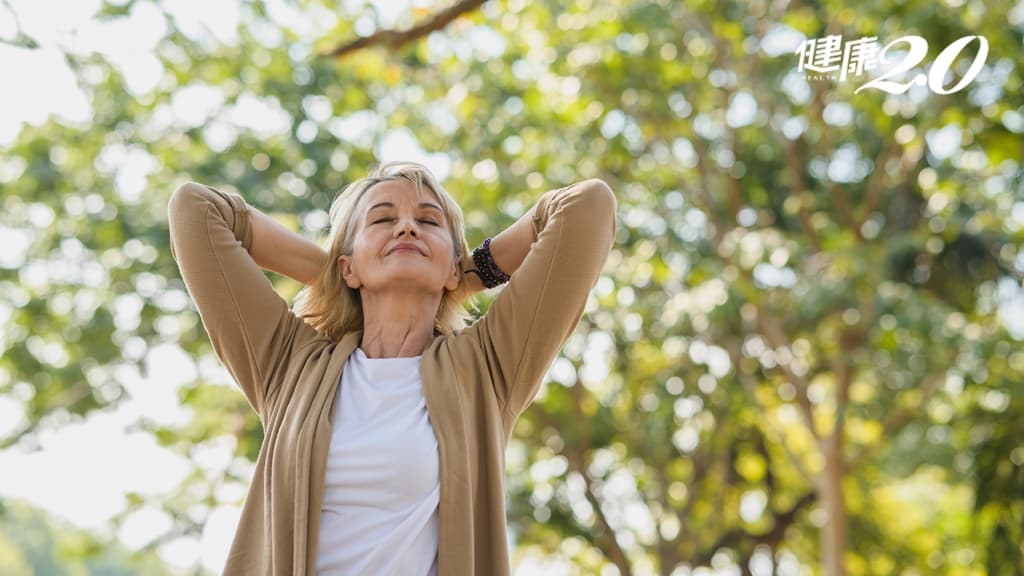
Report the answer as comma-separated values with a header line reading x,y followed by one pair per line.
x,y
385,416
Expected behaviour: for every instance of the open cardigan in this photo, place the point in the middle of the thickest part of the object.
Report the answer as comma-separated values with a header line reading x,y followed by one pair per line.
x,y
476,382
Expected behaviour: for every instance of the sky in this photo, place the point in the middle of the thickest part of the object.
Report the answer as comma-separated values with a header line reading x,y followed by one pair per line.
x,y
89,452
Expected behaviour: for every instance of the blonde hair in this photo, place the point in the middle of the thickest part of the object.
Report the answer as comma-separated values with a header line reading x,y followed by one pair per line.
x,y
333,308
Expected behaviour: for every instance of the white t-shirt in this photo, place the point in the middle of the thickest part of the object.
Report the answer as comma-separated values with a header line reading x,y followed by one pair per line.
x,y
382,484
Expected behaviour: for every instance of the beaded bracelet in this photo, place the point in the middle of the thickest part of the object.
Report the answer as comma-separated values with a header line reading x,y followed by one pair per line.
x,y
486,268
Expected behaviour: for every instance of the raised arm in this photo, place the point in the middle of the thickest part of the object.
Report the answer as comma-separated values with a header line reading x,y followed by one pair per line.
x,y
554,254
280,250
508,249
249,324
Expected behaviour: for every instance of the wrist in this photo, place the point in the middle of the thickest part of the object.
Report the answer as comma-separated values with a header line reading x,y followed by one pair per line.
x,y
490,274
472,282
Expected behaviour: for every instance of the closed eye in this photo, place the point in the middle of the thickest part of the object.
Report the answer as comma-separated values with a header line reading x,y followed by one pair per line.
x,y
431,222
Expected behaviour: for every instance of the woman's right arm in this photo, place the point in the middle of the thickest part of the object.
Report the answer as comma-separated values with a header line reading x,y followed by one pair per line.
x,y
280,250
250,326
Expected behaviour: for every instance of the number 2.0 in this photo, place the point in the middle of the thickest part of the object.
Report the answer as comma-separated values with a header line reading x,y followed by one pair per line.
x,y
936,74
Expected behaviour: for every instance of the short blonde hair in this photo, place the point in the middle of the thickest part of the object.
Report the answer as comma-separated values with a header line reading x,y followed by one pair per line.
x,y
334,309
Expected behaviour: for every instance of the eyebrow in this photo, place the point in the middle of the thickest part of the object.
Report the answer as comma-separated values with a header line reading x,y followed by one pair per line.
x,y
391,205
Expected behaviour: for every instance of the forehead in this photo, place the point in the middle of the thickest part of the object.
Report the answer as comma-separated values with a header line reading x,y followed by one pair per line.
x,y
397,192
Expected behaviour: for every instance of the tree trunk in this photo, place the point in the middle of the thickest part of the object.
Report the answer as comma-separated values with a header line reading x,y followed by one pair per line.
x,y
833,534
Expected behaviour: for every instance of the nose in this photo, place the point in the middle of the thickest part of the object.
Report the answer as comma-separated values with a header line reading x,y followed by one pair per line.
x,y
407,225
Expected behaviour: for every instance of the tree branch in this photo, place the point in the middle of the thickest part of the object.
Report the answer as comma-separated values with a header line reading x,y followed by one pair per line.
x,y
21,39
850,339
909,159
668,549
394,39
794,163
751,387
771,538
65,400
873,191
731,185
703,197
701,467
576,455
776,338
610,545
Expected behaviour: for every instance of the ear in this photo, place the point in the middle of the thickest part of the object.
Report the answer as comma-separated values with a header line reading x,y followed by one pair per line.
x,y
455,278
348,273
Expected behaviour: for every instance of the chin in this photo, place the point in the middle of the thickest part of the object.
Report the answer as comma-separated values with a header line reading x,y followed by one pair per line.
x,y
408,283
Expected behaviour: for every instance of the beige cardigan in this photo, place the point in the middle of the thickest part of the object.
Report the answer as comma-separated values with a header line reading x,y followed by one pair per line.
x,y
476,383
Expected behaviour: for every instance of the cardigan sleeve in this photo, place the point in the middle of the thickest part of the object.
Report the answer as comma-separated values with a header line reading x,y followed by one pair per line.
x,y
249,324
536,312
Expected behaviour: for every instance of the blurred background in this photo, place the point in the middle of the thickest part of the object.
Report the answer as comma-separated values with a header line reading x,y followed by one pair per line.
x,y
804,356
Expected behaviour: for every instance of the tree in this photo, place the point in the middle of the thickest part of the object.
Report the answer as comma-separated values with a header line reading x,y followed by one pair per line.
x,y
796,355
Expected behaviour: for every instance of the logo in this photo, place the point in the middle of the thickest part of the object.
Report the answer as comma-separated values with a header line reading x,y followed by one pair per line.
x,y
832,59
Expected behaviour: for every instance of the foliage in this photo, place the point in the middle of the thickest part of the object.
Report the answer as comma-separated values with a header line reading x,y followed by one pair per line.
x,y
33,543
806,289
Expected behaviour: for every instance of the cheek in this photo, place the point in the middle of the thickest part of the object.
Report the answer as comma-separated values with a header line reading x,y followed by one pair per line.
x,y
446,248
365,242
444,237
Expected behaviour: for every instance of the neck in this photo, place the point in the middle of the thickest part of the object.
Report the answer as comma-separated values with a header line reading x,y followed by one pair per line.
x,y
397,324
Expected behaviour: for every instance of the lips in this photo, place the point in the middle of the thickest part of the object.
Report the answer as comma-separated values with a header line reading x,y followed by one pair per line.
x,y
405,247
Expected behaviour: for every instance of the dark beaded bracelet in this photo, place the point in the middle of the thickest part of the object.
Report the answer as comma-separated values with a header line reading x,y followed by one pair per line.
x,y
486,268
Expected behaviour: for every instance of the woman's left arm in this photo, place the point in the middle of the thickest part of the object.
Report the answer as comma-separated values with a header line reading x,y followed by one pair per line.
x,y
508,249
554,255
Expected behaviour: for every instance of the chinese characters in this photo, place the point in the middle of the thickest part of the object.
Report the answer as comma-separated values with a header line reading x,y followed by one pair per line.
x,y
831,58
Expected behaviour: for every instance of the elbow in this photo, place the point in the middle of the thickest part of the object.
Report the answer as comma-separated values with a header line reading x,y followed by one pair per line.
x,y
599,200
599,193
191,200
192,203
186,196
182,200
184,212
180,205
